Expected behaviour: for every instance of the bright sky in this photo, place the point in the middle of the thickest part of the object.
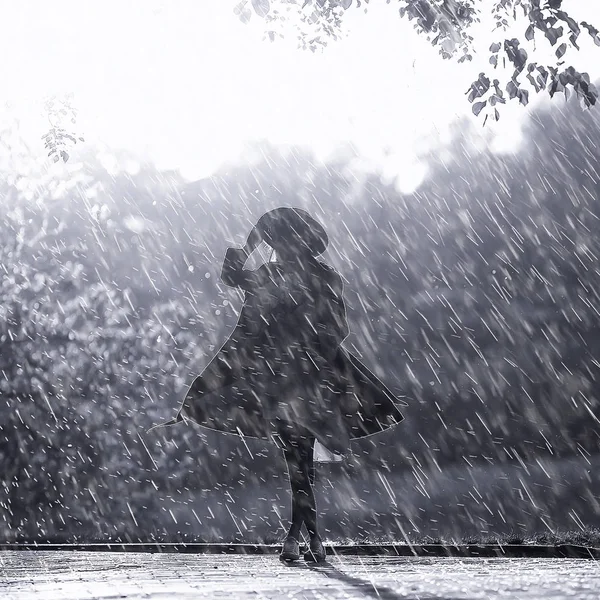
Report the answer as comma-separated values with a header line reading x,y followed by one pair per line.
x,y
185,84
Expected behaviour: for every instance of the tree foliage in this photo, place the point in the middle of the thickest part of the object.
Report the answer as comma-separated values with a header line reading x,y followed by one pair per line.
x,y
448,25
61,136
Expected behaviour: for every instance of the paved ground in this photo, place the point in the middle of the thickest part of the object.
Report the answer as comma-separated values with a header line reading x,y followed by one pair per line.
x,y
93,575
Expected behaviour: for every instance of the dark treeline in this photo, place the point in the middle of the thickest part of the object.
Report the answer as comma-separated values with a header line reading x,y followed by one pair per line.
x,y
474,297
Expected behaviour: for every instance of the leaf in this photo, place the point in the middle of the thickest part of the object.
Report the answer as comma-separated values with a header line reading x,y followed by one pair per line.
x,y
516,55
592,30
238,8
478,107
553,33
542,78
261,7
512,89
529,33
478,88
533,83
523,97
588,91
245,15
572,23
346,4
573,39
560,51
594,33
495,47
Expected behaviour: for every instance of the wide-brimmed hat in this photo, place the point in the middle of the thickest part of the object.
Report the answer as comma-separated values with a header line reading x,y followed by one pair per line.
x,y
287,226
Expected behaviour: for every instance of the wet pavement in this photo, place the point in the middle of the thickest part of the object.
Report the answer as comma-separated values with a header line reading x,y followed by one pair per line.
x,y
74,575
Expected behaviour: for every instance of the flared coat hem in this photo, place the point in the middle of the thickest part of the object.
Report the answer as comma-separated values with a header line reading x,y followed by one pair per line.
x,y
366,407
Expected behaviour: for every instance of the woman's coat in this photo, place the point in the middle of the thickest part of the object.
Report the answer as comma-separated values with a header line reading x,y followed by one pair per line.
x,y
284,366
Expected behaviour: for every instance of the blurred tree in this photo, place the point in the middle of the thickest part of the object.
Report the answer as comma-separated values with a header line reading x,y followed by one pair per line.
x,y
476,296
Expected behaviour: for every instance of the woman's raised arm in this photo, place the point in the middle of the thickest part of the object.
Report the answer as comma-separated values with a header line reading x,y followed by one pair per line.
x,y
233,273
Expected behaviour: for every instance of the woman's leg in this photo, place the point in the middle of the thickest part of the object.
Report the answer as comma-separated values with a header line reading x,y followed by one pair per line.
x,y
311,464
297,514
298,450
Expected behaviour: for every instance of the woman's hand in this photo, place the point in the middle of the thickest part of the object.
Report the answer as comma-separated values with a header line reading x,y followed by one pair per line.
x,y
253,241
233,272
242,254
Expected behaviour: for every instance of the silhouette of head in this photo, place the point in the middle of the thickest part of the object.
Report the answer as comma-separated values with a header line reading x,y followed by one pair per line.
x,y
292,231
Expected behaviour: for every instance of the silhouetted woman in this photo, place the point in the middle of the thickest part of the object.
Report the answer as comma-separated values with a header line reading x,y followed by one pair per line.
x,y
283,375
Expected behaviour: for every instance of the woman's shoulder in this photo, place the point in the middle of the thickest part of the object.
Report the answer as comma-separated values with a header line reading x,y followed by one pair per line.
x,y
330,274
329,271
327,268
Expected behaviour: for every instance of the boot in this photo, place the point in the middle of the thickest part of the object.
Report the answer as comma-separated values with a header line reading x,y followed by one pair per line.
x,y
290,550
316,551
